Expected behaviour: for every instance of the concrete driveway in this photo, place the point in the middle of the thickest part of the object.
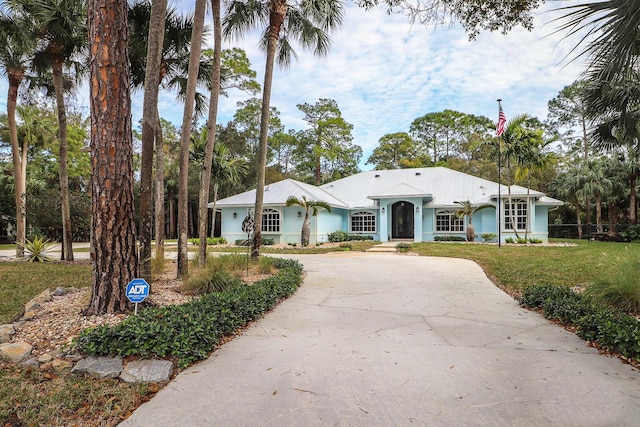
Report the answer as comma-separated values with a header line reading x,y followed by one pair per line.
x,y
389,340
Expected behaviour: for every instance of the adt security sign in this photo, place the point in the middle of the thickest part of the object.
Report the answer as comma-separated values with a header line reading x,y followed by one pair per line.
x,y
137,290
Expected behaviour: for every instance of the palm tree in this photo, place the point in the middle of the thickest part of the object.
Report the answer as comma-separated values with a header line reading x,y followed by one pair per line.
x,y
509,150
211,134
308,205
172,74
61,27
467,211
150,122
609,28
569,185
185,136
598,183
283,21
18,45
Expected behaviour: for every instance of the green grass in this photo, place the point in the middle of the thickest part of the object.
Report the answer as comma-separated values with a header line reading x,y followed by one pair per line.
x,y
21,281
513,268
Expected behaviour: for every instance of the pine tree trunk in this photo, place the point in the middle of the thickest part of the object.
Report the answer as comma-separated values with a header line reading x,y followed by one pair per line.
x,y
149,123
113,225
67,232
185,137
211,134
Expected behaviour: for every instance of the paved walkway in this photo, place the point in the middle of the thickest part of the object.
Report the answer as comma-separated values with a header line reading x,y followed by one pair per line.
x,y
389,340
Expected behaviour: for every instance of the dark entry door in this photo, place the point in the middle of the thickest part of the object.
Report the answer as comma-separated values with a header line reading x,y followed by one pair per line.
x,y
402,219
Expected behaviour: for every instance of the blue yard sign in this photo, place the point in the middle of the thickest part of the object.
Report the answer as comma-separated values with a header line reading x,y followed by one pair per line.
x,y
137,290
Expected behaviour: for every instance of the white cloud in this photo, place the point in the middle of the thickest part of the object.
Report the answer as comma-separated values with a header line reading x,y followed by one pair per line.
x,y
384,72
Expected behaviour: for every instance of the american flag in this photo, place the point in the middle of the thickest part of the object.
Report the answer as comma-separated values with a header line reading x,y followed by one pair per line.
x,y
502,120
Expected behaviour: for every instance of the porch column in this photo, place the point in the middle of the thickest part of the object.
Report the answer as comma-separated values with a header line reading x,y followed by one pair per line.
x,y
383,222
417,222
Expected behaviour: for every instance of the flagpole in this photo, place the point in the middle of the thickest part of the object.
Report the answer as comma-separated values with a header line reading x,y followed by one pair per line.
x,y
498,210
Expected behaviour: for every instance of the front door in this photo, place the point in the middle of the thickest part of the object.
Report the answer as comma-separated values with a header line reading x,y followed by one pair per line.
x,y
402,220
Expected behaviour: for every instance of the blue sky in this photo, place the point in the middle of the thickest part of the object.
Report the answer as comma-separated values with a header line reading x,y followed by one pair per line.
x,y
384,72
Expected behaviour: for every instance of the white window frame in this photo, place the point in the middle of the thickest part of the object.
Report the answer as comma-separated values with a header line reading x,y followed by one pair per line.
x,y
520,214
368,222
271,220
454,224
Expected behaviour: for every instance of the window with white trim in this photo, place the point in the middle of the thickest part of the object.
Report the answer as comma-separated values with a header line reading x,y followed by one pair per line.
x,y
270,221
363,222
518,209
446,221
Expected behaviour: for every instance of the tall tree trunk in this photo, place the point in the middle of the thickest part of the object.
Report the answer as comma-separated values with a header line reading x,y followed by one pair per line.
x,y
633,211
598,212
149,110
578,219
185,137
211,135
113,226
276,18
587,202
19,163
172,215
160,212
67,232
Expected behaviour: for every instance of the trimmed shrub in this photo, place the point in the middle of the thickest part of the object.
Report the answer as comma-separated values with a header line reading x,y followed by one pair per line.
x,y
188,332
488,237
449,239
343,236
266,241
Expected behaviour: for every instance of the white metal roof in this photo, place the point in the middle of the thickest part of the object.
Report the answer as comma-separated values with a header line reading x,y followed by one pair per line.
x,y
438,186
276,194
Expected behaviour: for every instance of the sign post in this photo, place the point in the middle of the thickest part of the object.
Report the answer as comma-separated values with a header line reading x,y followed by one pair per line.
x,y
137,291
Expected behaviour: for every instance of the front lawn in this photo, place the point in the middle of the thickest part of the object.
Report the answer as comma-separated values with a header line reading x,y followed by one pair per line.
x,y
515,267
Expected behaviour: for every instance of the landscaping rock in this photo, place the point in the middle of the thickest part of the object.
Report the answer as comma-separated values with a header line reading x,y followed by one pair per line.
x,y
43,297
61,365
45,358
5,333
60,291
103,367
31,306
30,314
147,371
15,352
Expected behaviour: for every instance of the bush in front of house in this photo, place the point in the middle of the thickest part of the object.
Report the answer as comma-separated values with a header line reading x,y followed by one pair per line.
x,y
611,328
188,332
343,236
266,241
449,239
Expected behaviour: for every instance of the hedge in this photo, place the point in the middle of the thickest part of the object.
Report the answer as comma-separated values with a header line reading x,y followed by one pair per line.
x,y
189,332
611,328
343,236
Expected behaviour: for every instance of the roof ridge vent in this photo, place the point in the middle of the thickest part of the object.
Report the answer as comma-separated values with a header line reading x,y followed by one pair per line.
x,y
377,175
418,173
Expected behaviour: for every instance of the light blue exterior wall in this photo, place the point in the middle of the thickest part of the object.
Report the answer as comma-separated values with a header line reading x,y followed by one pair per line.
x,y
326,222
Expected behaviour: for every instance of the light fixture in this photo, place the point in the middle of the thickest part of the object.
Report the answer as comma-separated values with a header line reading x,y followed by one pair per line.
x,y
383,209
235,215
299,214
417,209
